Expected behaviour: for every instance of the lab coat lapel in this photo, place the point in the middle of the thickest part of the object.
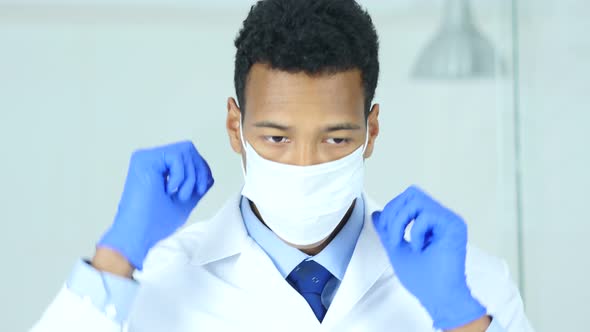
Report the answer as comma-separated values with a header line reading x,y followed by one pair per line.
x,y
225,234
255,272
367,264
283,305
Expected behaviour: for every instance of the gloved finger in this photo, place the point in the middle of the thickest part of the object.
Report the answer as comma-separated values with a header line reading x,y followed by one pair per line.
x,y
410,208
188,186
424,229
454,232
381,218
175,165
204,176
376,217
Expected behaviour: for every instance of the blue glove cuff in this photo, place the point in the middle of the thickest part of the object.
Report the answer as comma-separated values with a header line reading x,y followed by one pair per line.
x,y
460,313
119,241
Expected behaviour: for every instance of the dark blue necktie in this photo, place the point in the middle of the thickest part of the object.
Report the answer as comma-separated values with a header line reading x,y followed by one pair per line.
x,y
309,279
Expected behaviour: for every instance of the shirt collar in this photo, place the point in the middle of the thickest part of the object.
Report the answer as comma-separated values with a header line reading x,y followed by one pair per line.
x,y
334,257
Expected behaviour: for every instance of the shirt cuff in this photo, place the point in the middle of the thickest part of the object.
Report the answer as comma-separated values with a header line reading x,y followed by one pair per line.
x,y
495,327
110,294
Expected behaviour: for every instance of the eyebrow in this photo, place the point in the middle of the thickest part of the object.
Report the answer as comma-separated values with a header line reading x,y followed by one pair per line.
x,y
268,124
328,129
342,126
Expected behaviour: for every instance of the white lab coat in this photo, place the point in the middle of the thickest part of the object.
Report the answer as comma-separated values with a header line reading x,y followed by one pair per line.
x,y
211,276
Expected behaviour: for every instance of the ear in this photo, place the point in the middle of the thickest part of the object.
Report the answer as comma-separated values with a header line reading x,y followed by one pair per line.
x,y
373,122
232,124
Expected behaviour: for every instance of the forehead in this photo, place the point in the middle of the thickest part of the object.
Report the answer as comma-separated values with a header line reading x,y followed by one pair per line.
x,y
280,93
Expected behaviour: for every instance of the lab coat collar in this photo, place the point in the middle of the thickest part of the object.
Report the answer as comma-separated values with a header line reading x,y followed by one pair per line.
x,y
369,261
227,236
228,225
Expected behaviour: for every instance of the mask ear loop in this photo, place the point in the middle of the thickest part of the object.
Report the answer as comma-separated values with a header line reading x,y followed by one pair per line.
x,y
366,138
243,142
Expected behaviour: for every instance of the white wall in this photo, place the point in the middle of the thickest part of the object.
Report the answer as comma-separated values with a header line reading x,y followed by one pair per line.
x,y
555,108
81,88
79,91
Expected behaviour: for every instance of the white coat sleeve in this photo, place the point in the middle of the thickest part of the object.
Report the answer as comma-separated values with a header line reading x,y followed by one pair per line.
x,y
70,313
490,282
91,301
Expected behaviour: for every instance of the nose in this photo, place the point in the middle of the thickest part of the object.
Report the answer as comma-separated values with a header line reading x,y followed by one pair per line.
x,y
305,155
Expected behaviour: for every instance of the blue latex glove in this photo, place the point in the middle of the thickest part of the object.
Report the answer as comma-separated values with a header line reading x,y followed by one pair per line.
x,y
431,265
163,186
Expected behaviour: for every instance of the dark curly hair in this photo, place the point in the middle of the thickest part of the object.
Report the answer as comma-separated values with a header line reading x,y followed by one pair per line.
x,y
312,36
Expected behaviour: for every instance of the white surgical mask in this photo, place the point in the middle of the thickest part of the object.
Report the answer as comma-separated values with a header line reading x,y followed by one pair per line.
x,y
303,205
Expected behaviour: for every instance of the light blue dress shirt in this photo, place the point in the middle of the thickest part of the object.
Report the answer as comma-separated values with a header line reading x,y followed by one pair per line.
x,y
334,257
114,295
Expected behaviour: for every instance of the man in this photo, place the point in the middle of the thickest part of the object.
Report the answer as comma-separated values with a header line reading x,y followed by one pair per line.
x,y
301,248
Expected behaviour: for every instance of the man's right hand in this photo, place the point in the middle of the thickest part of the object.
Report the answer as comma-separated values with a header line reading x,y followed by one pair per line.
x,y
163,186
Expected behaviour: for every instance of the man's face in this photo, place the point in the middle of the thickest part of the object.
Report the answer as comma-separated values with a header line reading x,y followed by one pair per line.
x,y
299,119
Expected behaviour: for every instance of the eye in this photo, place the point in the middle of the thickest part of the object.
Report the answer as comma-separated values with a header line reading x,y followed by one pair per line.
x,y
337,141
277,139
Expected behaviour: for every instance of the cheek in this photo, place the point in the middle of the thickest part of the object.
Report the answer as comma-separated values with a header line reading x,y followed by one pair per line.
x,y
281,153
332,152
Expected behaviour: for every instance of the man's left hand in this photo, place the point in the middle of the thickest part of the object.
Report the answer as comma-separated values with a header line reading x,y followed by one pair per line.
x,y
430,262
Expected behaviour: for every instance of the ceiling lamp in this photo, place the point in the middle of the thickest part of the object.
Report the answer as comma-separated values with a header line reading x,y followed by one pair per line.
x,y
458,50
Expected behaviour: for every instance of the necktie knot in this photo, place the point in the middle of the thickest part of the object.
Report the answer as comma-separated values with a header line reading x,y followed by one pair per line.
x,y
309,279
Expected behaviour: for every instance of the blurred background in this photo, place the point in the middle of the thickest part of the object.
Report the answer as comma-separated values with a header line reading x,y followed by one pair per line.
x,y
485,104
